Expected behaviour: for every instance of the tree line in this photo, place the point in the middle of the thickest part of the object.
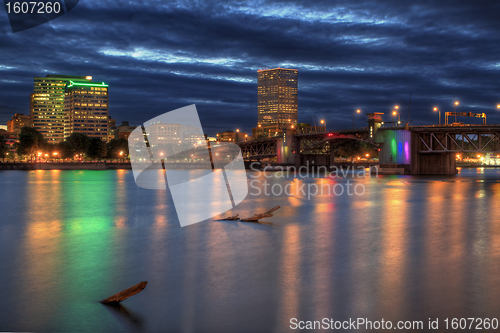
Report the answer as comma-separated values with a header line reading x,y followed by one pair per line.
x,y
32,144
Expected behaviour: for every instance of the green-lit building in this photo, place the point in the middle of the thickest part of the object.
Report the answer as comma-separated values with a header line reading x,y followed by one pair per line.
x,y
86,109
58,99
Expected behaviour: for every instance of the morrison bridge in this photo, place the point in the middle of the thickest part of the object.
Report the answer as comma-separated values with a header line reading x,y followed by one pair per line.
x,y
419,150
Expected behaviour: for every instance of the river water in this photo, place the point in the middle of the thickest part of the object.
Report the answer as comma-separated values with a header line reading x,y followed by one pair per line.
x,y
407,248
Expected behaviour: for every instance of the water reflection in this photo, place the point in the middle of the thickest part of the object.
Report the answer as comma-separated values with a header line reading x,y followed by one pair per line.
x,y
410,248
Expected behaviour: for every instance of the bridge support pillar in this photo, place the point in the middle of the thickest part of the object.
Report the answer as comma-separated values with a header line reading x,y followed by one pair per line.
x,y
433,164
285,148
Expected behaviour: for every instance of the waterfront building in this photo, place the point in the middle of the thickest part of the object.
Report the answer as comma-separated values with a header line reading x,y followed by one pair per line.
x,y
17,122
4,127
47,105
86,109
232,136
277,102
124,130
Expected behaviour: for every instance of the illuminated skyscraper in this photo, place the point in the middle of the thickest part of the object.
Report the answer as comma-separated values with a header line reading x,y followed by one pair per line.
x,y
86,109
47,105
277,99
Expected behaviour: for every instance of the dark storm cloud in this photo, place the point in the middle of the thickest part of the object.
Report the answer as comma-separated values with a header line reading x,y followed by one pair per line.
x,y
158,56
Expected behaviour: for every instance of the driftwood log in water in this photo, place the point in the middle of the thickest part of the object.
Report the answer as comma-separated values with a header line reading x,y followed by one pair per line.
x,y
231,218
257,217
124,294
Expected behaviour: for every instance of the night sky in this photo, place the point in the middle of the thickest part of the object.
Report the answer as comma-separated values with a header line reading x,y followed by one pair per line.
x,y
157,56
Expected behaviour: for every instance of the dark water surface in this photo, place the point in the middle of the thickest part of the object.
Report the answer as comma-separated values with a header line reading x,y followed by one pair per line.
x,y
410,248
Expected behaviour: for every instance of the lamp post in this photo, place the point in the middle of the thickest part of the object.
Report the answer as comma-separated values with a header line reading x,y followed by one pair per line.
x,y
436,109
357,111
455,104
394,113
322,122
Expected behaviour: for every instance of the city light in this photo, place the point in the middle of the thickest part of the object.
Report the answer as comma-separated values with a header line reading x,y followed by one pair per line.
x,y
394,113
396,107
259,125
322,121
358,110
161,154
367,155
456,103
237,130
435,109
498,106
54,153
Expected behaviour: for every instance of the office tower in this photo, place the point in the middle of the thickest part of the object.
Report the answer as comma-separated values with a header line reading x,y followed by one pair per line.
x,y
276,99
47,111
86,109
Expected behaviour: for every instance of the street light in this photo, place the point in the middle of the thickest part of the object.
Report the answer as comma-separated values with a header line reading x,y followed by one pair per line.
x,y
498,106
394,112
237,130
357,111
436,109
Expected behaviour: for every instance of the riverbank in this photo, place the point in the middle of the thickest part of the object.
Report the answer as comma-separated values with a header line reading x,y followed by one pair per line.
x,y
65,165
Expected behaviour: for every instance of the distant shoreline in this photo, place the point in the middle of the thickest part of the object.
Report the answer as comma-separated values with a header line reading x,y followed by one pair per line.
x,y
107,165
65,165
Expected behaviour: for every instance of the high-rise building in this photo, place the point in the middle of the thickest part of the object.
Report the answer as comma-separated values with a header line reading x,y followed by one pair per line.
x,y
86,109
277,105
17,122
111,128
47,110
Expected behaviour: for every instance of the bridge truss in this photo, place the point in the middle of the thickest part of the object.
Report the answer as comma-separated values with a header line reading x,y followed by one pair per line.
x,y
458,141
259,148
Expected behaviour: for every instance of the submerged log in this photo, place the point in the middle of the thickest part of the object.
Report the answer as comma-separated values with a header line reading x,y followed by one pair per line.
x,y
231,218
124,294
257,217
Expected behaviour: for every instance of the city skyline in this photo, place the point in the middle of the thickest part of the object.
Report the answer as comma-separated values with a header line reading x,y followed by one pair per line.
x,y
353,55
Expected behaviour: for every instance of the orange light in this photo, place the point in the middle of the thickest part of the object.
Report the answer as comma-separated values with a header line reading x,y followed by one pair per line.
x,y
435,109
358,110
259,125
55,153
322,121
46,155
367,155
237,130
121,153
161,154
396,107
246,135
456,103
394,113
498,106
39,154
293,126
359,157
